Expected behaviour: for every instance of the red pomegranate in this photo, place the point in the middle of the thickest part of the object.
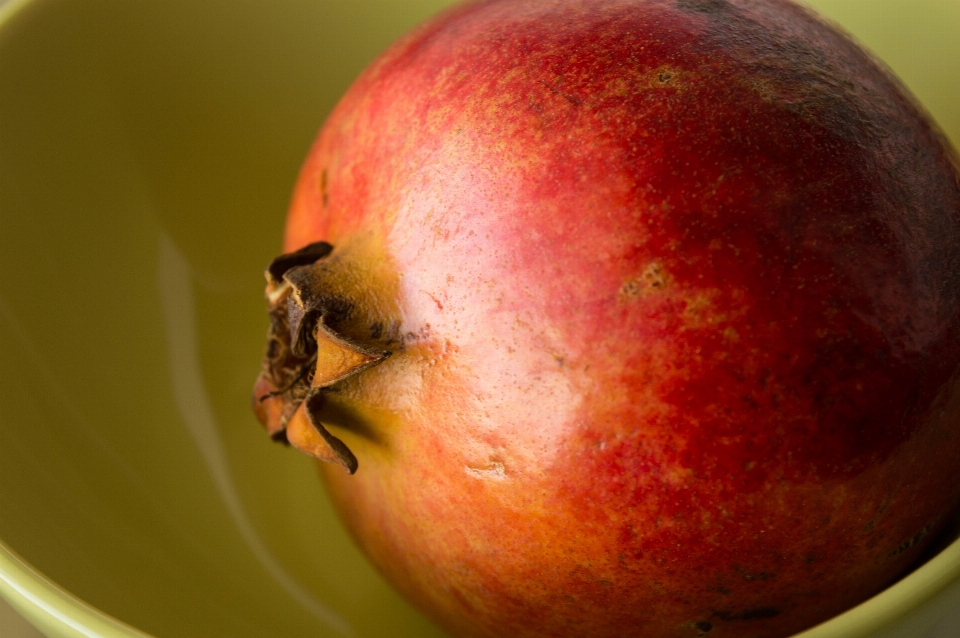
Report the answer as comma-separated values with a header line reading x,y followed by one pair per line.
x,y
627,318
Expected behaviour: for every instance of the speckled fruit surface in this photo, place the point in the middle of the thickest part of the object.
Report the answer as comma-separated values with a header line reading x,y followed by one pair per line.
x,y
671,292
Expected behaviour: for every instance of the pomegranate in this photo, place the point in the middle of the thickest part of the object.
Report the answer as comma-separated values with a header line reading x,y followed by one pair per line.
x,y
625,318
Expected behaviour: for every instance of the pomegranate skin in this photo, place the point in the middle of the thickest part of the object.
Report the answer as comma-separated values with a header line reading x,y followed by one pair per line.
x,y
671,290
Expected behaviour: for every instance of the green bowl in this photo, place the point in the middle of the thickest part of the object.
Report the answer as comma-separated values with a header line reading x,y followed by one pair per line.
x,y
147,153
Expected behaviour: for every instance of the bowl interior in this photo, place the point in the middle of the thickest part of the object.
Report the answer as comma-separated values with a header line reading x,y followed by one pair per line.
x,y
147,153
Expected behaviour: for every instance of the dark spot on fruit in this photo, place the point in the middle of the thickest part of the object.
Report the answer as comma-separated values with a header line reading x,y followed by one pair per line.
x,y
654,276
762,612
630,289
664,77
759,613
376,330
324,195
907,544
704,626
652,279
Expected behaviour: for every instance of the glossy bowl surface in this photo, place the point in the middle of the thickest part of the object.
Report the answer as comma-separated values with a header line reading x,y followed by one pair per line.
x,y
147,153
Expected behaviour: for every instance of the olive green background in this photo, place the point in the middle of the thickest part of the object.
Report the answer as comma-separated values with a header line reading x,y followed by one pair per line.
x,y
147,153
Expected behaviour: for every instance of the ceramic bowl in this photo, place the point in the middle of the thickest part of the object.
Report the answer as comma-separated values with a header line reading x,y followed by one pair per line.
x,y
147,153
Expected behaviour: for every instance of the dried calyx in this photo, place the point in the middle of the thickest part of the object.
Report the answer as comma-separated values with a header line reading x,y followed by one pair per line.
x,y
305,355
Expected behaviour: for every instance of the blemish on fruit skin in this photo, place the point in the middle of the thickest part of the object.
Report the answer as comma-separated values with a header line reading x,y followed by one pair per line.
x,y
704,626
324,192
759,613
435,300
653,279
910,542
492,471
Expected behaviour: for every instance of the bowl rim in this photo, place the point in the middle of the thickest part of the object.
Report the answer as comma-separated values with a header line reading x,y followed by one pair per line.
x,y
907,597
59,613
51,608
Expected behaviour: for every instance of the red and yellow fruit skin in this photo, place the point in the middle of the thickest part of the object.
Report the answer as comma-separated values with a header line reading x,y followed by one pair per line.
x,y
672,289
